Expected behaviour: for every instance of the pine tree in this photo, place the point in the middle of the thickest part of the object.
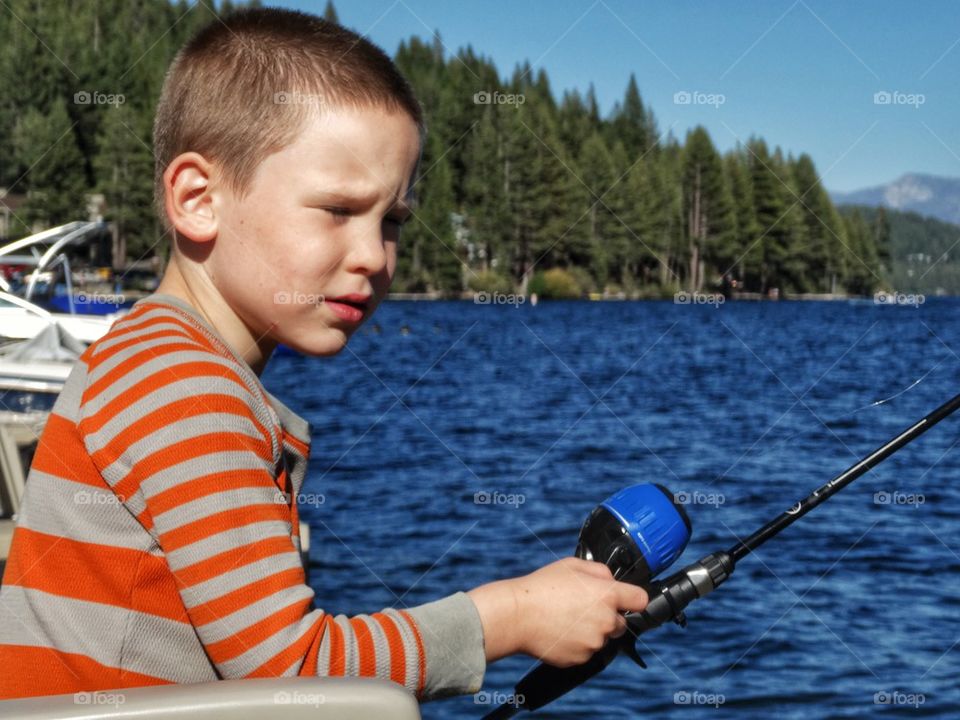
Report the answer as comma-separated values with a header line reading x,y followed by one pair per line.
x,y
666,177
521,175
429,257
485,193
822,227
543,187
124,166
600,222
769,252
861,276
593,109
55,182
738,178
882,239
646,210
707,206
794,268
632,123
330,13
559,237
574,123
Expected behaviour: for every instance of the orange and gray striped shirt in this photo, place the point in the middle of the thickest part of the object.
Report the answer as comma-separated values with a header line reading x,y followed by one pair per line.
x,y
158,539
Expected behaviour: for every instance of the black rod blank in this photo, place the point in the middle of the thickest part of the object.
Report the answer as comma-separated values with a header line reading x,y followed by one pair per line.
x,y
824,493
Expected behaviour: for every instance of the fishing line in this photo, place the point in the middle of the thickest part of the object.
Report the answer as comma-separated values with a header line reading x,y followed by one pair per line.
x,y
906,389
780,443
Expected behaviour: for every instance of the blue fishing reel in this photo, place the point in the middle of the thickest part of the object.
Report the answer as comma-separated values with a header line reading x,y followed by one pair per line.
x,y
637,532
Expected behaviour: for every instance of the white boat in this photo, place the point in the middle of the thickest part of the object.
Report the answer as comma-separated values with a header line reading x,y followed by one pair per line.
x,y
37,368
39,347
22,317
296,698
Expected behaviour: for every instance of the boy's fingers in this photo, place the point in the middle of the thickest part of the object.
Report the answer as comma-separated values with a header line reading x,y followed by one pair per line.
x,y
631,597
621,627
595,569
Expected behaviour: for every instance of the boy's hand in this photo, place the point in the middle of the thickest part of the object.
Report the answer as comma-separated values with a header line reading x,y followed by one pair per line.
x,y
562,614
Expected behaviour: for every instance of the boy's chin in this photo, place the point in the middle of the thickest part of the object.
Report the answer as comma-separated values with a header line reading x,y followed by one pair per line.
x,y
327,343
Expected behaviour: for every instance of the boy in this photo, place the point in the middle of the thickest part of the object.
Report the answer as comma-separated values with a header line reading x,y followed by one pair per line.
x,y
158,541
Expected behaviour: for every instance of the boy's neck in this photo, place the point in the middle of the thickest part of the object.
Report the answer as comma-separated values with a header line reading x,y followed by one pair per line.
x,y
196,289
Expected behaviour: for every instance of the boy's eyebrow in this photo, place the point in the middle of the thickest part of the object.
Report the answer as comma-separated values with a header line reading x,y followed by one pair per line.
x,y
366,198
335,196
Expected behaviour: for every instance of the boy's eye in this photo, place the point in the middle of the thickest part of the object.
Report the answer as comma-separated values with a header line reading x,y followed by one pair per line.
x,y
341,213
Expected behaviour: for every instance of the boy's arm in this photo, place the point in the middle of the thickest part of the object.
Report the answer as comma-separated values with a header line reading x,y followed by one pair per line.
x,y
191,452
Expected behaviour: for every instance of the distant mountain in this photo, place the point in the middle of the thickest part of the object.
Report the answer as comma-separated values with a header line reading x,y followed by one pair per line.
x,y
930,195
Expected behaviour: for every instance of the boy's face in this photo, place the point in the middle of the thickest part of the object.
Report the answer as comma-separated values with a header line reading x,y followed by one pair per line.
x,y
320,221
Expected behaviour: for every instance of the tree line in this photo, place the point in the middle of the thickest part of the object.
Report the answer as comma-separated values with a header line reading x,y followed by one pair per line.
x,y
517,186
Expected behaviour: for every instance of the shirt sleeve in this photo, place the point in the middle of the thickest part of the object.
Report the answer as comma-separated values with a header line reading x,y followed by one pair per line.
x,y
193,453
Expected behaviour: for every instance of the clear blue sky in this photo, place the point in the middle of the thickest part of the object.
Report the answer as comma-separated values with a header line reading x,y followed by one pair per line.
x,y
800,73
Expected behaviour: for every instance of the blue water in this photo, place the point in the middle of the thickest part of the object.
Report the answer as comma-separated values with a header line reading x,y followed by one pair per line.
x,y
565,403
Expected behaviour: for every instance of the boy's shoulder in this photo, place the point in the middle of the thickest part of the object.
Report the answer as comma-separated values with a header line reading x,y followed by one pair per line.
x,y
162,390
156,321
162,360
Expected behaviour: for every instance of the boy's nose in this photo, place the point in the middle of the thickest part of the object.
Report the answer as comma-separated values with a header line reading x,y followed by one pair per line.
x,y
367,253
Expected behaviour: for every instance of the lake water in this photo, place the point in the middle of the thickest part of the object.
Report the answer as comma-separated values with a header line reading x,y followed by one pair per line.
x,y
747,408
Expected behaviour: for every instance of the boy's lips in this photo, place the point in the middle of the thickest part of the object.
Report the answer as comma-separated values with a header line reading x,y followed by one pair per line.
x,y
351,307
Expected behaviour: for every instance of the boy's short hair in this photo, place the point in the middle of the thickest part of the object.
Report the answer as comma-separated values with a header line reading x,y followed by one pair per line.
x,y
242,87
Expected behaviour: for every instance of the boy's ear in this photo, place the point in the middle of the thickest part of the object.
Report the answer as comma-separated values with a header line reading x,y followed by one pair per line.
x,y
188,197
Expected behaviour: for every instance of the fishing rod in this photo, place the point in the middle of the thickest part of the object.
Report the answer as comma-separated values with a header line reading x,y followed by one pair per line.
x,y
640,531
